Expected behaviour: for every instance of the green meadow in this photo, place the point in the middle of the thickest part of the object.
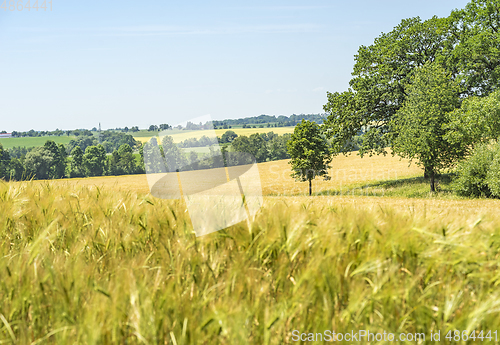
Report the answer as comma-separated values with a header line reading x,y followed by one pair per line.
x,y
8,143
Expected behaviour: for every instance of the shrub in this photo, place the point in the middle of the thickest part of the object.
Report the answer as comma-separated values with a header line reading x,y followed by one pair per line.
x,y
479,175
493,176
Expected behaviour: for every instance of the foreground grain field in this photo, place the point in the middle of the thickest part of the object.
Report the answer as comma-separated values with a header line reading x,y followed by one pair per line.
x,y
101,261
91,265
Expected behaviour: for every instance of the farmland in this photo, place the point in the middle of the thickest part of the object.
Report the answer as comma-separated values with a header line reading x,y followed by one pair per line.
x,y
8,143
142,136
95,251
145,136
347,172
99,260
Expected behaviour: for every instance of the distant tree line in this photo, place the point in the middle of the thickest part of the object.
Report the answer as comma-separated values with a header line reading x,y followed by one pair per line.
x,y
110,140
280,121
260,121
51,161
84,157
77,132
119,129
194,142
263,147
162,127
57,133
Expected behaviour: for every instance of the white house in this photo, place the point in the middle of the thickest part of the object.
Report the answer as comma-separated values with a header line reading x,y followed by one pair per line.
x,y
5,135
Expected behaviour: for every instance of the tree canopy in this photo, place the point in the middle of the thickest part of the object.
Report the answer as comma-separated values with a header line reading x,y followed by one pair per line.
x,y
421,123
4,163
94,160
466,44
309,152
38,163
476,121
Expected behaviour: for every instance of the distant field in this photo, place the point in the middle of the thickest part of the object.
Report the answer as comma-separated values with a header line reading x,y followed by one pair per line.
x,y
142,133
8,143
143,136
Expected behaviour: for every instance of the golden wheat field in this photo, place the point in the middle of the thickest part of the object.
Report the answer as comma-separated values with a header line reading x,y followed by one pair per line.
x,y
101,261
180,136
346,172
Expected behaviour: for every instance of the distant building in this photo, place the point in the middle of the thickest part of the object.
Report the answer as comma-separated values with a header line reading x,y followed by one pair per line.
x,y
6,135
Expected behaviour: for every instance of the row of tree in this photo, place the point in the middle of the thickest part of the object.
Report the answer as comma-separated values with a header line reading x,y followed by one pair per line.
x,y
168,156
51,161
248,122
87,158
264,146
124,129
291,120
201,142
110,140
57,133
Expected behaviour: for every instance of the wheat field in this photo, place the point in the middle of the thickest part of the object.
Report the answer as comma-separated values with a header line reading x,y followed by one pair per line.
x,y
347,172
101,261
180,136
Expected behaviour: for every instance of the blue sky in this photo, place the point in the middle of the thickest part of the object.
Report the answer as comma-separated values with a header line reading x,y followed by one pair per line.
x,y
136,63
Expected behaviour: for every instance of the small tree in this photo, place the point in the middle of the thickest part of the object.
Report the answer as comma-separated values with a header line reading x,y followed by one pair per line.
x,y
4,163
94,160
38,163
228,137
126,163
77,168
309,152
16,169
174,157
58,167
421,123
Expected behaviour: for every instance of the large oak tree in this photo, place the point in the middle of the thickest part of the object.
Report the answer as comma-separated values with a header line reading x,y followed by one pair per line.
x,y
466,44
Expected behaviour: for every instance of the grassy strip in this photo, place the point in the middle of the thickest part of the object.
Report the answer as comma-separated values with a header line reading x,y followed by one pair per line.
x,y
411,187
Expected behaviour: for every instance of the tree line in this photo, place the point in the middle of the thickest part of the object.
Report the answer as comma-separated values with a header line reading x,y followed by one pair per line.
x,y
84,157
261,147
51,161
56,133
110,140
282,120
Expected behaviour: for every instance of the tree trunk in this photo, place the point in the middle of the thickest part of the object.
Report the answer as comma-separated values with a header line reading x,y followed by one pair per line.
x,y
310,187
432,176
